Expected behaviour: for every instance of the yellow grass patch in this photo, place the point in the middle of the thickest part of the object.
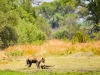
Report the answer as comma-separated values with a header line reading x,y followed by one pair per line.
x,y
56,47
2,55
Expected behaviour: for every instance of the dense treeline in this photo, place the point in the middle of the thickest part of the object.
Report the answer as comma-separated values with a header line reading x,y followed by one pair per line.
x,y
21,22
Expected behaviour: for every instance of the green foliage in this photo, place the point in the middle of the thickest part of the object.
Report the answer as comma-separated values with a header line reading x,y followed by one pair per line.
x,y
8,36
15,53
20,24
47,9
93,9
80,37
29,17
93,6
55,11
43,25
60,34
29,33
96,36
7,72
4,6
83,11
70,19
12,18
8,21
26,5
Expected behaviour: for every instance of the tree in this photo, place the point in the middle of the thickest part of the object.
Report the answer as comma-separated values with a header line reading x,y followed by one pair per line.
x,y
8,21
56,10
29,33
26,4
94,9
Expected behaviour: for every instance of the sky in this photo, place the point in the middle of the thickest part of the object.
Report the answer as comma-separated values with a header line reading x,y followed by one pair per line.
x,y
35,1
48,0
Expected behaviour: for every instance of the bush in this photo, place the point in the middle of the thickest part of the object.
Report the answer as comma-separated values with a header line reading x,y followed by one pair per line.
x,y
15,53
80,37
60,34
96,36
29,33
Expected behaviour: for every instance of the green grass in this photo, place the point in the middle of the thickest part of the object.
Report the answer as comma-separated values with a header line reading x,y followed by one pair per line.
x,y
48,73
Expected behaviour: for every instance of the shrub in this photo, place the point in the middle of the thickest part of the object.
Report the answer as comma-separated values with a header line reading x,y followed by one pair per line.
x,y
29,33
60,34
80,37
15,53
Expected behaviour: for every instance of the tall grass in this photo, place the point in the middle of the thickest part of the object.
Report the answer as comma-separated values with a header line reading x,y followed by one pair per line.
x,y
56,47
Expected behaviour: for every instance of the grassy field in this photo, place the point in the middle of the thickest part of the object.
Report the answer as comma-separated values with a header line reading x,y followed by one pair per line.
x,y
62,64
55,47
48,73
67,58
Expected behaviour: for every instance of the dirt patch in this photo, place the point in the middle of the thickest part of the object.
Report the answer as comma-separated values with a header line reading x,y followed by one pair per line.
x,y
62,64
83,54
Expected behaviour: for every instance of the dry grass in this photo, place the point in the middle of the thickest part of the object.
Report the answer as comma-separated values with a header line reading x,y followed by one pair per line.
x,y
56,47
2,55
61,64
